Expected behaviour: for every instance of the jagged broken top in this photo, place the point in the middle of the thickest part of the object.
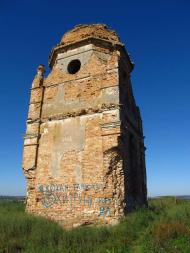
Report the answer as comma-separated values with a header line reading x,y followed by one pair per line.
x,y
81,32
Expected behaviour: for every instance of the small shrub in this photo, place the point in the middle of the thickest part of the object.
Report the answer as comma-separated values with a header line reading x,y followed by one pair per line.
x,y
163,232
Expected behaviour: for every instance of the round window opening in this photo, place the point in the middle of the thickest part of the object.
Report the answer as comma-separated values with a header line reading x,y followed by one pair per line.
x,y
74,66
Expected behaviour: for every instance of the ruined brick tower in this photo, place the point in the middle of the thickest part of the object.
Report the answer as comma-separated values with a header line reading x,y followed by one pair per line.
x,y
84,149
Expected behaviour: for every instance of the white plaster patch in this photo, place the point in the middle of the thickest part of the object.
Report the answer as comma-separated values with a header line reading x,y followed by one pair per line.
x,y
78,174
45,130
68,135
111,95
87,211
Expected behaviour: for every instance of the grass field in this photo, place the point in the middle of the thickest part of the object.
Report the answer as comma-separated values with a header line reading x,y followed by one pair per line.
x,y
162,228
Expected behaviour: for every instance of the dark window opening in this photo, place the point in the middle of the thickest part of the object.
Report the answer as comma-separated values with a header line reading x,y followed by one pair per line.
x,y
74,66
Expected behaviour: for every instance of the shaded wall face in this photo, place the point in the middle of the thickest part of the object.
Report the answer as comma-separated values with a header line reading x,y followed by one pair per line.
x,y
78,176
132,142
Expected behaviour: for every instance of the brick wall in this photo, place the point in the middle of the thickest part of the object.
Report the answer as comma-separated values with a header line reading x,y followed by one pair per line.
x,y
76,152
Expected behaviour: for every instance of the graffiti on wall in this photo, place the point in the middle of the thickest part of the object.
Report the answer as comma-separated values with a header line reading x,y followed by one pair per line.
x,y
72,195
105,210
67,187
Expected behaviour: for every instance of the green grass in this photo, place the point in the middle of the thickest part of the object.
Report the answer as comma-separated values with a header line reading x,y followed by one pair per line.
x,y
162,228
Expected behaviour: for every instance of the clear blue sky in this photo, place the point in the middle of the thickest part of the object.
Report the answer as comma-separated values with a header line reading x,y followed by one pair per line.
x,y
156,34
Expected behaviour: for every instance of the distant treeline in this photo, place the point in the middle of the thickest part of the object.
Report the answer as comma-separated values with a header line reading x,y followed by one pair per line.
x,y
23,198
17,198
185,197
